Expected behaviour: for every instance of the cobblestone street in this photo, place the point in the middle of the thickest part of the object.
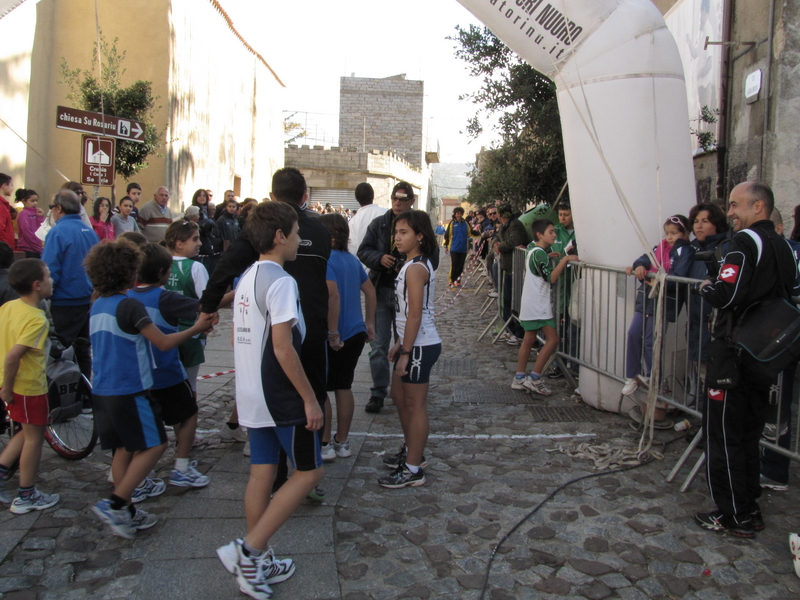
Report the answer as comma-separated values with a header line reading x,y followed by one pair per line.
x,y
493,456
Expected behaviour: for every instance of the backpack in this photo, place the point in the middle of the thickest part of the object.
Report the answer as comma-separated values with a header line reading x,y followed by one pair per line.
x,y
768,331
67,390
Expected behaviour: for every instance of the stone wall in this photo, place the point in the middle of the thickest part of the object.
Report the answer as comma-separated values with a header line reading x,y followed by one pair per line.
x,y
386,114
345,168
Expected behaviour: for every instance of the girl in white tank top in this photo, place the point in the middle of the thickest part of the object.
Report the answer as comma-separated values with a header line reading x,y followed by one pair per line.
x,y
418,346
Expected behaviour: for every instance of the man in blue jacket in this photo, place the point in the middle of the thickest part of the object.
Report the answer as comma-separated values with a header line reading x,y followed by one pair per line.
x,y
67,244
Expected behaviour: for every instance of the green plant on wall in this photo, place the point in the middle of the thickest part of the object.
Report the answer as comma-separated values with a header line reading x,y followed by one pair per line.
x,y
105,94
707,140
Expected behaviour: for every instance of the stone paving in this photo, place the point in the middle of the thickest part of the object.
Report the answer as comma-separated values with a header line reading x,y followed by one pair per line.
x,y
493,457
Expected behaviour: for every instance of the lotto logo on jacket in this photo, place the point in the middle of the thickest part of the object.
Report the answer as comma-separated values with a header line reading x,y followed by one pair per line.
x,y
729,273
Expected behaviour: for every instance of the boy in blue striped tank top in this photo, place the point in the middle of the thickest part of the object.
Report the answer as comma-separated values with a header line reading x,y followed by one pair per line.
x,y
128,420
171,388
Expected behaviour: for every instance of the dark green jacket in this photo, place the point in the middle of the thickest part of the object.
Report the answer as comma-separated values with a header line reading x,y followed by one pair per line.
x,y
510,235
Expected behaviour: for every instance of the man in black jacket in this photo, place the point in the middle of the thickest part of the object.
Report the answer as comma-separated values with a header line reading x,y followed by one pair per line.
x,y
309,270
759,265
379,254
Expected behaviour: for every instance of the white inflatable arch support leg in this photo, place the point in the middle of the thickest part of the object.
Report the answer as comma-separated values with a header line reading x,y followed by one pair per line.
x,y
625,122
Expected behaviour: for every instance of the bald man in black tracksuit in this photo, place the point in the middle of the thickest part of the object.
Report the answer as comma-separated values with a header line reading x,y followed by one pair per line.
x,y
759,265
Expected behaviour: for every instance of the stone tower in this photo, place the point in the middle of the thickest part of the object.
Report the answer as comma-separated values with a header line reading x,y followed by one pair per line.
x,y
383,114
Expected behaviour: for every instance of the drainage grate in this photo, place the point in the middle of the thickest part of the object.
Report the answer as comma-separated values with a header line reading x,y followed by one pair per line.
x,y
456,367
480,393
563,414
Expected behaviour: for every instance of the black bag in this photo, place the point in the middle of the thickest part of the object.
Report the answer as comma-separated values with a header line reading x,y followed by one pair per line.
x,y
723,372
769,331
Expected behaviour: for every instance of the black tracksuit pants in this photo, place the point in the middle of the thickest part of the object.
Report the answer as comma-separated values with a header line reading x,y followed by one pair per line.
x,y
733,422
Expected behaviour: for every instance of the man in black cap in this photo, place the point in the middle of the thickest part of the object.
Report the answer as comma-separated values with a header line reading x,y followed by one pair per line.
x,y
379,254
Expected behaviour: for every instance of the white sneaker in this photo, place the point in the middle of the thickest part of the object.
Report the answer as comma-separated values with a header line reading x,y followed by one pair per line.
x,y
328,453
342,448
232,435
537,386
630,386
246,449
493,294
518,383
513,341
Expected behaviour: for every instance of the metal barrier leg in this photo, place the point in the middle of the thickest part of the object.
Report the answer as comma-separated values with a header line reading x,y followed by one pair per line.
x,y
695,470
480,287
505,326
485,306
488,327
562,364
685,456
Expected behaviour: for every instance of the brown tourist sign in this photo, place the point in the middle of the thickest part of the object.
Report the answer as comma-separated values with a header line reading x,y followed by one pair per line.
x,y
100,124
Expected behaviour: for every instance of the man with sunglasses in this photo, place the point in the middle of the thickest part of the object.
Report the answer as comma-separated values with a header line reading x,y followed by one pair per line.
x,y
68,243
379,254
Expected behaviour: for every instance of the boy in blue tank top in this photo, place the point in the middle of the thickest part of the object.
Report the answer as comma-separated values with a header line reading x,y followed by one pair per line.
x,y
171,387
128,420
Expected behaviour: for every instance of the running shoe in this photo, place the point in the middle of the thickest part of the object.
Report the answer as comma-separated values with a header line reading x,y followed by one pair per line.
x,y
342,448
328,453
758,520
374,404
402,477
537,386
143,520
36,501
493,294
395,460
191,478
317,494
232,435
273,570
716,521
150,488
555,373
518,383
630,386
118,520
513,341
771,484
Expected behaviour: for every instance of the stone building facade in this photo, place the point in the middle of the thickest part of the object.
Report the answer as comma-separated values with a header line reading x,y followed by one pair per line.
x,y
332,174
381,141
219,102
758,134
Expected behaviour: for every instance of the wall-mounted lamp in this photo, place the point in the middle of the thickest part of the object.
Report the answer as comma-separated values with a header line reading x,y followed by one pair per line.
x,y
734,44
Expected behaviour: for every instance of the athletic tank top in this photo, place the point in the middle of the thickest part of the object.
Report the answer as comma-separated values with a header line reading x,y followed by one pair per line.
x,y
427,334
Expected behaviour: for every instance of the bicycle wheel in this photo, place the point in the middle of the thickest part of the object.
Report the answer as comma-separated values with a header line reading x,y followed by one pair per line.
x,y
74,438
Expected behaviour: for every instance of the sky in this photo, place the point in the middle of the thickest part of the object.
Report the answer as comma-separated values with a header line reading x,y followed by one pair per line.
x,y
310,44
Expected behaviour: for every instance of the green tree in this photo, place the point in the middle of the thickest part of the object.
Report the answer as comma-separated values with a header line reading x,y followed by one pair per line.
x,y
105,94
528,163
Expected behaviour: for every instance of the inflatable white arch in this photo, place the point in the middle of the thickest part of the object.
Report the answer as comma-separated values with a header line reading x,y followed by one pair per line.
x,y
624,116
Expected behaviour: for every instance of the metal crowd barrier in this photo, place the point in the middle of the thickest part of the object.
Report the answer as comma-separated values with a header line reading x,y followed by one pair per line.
x,y
594,306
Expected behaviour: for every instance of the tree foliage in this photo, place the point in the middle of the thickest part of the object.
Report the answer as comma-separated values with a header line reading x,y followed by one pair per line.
x,y
528,163
105,94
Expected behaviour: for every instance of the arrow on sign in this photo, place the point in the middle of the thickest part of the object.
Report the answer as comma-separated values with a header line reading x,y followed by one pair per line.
x,y
137,130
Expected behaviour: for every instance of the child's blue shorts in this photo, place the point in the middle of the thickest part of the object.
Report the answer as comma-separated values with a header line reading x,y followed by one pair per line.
x,y
301,445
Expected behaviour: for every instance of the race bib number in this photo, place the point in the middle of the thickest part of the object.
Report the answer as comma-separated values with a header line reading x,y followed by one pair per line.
x,y
729,273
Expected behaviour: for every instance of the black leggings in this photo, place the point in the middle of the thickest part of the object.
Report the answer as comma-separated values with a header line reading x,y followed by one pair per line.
x,y
456,265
